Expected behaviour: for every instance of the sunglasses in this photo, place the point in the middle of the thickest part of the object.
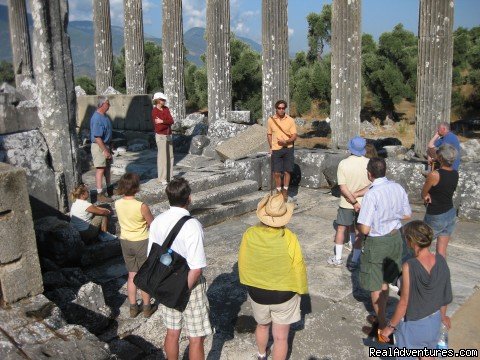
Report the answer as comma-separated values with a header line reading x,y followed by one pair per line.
x,y
281,108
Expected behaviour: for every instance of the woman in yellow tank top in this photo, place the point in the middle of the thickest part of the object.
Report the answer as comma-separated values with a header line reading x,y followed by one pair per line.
x,y
134,218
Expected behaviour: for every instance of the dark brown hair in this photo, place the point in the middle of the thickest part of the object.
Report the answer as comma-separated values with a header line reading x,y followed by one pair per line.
x,y
178,191
418,232
377,167
370,151
281,102
129,184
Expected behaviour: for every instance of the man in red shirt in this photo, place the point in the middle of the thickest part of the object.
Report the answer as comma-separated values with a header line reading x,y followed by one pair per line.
x,y
162,121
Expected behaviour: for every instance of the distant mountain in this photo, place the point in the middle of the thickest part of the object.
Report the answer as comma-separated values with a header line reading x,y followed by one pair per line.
x,y
81,43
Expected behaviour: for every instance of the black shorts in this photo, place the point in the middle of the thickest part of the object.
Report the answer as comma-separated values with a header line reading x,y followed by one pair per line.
x,y
282,160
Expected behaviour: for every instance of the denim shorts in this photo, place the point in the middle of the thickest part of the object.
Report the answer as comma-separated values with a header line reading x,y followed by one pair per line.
x,y
442,224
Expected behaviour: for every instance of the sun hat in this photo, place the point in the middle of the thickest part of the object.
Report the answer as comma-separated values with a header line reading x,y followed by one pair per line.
x,y
159,95
356,146
273,211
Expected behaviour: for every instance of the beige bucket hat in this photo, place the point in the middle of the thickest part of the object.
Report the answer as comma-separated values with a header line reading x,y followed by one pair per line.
x,y
273,211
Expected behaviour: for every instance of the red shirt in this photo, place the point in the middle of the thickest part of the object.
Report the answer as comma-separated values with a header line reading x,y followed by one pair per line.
x,y
164,114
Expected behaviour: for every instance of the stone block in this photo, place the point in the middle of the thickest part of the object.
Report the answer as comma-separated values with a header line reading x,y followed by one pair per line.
x,y
251,167
194,119
470,150
248,142
28,150
18,249
127,112
239,117
223,130
198,143
310,168
138,145
199,129
79,91
181,143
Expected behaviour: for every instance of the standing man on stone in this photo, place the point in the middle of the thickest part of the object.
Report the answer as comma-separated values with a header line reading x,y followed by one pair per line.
x,y
352,177
384,206
281,135
162,122
442,136
189,244
100,137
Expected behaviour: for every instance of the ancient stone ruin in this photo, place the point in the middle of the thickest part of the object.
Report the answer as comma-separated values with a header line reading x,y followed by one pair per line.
x,y
45,152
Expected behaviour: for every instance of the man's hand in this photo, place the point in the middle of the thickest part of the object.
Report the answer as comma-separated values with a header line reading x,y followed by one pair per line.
x,y
158,121
427,199
356,207
106,212
107,154
282,143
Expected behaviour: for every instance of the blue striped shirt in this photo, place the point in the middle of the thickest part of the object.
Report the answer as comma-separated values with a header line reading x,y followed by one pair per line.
x,y
383,207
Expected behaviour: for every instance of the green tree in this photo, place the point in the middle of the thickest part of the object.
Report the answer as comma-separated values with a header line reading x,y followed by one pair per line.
x,y
461,44
6,72
319,32
119,80
153,67
87,84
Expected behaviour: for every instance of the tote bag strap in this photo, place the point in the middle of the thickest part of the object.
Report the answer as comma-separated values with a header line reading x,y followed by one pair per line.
x,y
174,232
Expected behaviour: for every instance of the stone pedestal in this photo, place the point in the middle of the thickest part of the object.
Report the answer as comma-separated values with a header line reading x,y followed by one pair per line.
x,y
20,40
103,45
20,274
173,57
53,68
218,59
134,47
275,55
434,71
346,71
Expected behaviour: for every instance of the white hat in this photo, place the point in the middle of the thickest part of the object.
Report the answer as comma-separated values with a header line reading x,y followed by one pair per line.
x,y
159,95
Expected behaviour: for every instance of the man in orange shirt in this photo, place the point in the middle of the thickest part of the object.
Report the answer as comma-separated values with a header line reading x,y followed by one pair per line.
x,y
281,134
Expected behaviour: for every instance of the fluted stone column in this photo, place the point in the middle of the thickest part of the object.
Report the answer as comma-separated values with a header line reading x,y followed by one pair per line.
x,y
134,47
53,69
218,59
20,40
173,57
346,71
275,55
103,45
434,71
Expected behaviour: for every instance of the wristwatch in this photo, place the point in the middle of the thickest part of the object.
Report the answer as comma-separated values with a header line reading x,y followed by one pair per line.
x,y
356,202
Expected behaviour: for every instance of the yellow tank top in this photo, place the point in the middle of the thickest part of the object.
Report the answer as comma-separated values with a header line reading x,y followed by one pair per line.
x,y
133,226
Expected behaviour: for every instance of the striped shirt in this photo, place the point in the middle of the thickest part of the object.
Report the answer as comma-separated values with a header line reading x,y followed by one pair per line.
x,y
383,207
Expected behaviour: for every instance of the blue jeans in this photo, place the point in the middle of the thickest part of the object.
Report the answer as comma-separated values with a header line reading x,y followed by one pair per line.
x,y
442,224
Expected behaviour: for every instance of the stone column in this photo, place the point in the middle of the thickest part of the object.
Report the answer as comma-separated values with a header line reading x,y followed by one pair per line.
x,y
20,40
53,69
275,55
103,45
173,57
346,71
134,47
434,71
218,59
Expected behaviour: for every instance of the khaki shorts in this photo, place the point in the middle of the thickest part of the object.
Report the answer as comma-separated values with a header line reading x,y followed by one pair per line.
x,y
284,313
93,229
381,261
99,160
195,317
134,253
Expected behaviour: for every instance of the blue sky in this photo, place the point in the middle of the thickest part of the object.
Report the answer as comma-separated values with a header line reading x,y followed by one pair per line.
x,y
378,16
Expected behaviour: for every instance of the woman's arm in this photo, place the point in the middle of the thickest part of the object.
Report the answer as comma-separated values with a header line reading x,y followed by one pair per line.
x,y
445,318
432,179
96,210
402,305
146,213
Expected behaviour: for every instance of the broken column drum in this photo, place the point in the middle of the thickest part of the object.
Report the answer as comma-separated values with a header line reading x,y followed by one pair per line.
x,y
346,71
434,70
53,69
103,45
275,55
134,47
218,59
173,57
20,40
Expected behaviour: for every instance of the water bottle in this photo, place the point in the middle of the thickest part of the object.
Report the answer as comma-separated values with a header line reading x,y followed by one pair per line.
x,y
443,338
166,259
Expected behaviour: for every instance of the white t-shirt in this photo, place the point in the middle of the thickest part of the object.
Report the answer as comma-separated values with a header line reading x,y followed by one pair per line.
x,y
189,241
80,217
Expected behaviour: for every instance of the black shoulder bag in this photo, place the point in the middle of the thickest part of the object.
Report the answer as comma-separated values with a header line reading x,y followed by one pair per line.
x,y
167,284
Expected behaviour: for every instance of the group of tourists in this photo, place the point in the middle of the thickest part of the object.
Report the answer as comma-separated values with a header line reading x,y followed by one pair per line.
x,y
270,262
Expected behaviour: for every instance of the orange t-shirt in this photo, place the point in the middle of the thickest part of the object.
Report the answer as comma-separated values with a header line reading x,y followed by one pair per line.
x,y
287,124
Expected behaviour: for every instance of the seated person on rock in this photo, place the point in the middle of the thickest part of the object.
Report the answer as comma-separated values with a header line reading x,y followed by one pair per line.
x,y
91,221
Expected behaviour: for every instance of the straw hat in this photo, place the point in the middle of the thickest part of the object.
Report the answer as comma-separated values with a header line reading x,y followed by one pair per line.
x,y
273,211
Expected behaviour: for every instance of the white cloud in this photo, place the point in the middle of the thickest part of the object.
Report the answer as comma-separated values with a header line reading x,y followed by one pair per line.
x,y
240,19
194,13
290,32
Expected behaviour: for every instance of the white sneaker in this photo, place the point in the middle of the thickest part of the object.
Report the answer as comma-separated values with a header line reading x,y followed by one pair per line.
x,y
105,236
332,261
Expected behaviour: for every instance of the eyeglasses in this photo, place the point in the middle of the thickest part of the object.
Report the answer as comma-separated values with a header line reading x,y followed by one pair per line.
x,y
281,108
